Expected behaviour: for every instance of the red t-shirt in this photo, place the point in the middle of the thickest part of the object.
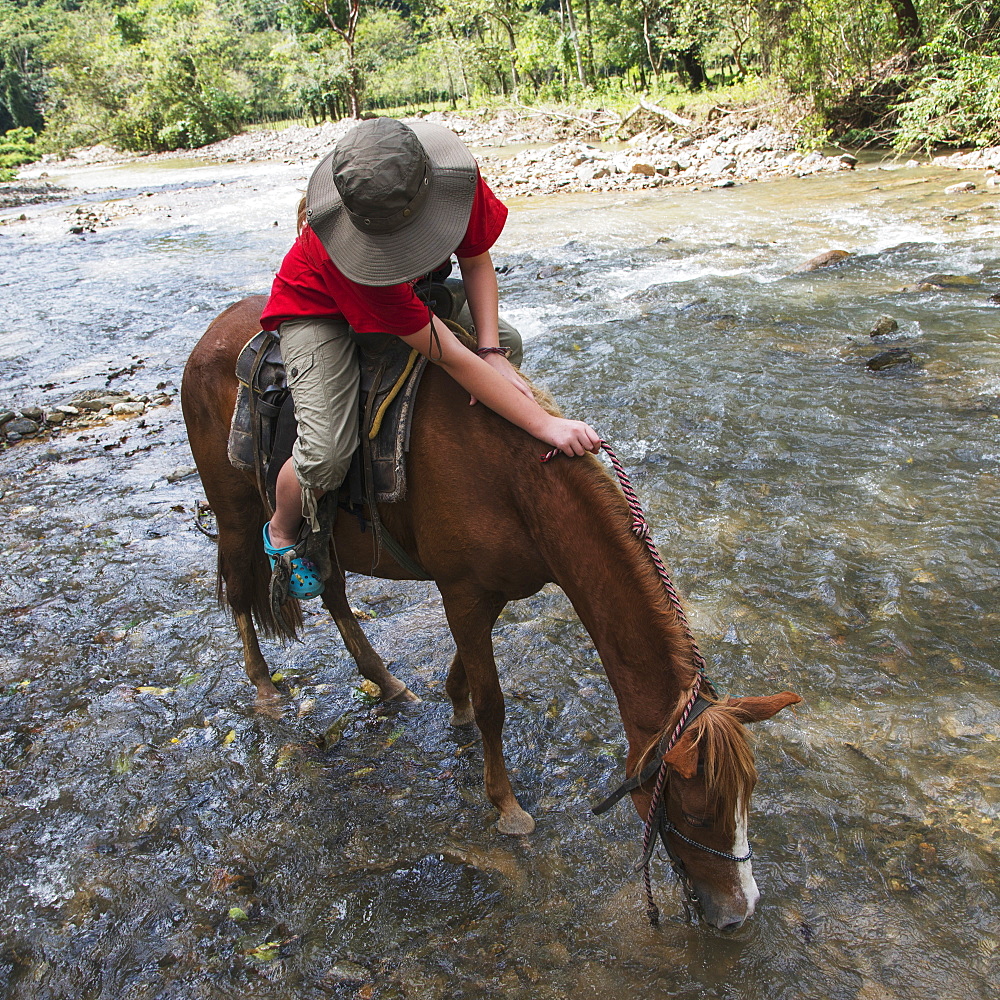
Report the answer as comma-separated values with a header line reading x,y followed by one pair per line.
x,y
308,284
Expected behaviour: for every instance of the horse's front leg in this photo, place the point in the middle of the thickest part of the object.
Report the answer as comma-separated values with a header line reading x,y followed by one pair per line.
x,y
471,615
369,663
457,686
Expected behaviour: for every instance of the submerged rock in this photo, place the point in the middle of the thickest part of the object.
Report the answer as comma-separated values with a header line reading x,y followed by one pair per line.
x,y
950,281
892,358
824,260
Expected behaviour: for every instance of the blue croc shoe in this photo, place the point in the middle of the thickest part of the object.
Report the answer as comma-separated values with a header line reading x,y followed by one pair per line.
x,y
304,581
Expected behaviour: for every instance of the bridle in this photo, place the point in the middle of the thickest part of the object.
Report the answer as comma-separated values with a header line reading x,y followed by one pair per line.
x,y
658,823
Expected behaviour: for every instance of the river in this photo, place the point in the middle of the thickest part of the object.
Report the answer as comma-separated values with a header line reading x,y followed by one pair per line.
x,y
835,532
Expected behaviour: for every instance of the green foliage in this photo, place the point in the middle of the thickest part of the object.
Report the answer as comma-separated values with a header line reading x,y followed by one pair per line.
x,y
955,104
17,147
164,74
155,74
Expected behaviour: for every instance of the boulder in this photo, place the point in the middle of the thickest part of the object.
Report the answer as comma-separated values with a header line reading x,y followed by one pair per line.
x,y
963,187
646,169
848,161
33,413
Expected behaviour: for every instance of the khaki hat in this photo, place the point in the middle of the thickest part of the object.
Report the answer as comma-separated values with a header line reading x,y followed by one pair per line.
x,y
392,200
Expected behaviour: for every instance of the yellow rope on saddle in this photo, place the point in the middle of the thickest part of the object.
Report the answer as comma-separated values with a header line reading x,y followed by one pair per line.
x,y
401,381
393,393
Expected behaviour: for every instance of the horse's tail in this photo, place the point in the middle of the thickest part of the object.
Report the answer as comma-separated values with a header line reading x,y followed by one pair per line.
x,y
208,395
243,578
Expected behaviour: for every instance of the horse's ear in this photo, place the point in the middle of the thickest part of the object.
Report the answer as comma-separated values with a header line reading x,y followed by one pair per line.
x,y
683,758
759,709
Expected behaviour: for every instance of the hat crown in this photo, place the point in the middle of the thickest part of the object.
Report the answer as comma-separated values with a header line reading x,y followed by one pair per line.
x,y
379,168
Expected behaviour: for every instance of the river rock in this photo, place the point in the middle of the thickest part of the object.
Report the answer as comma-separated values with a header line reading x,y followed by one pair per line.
x,y
22,426
646,169
849,161
55,417
963,187
128,409
824,260
884,325
724,182
993,182
891,358
718,165
182,473
33,413
66,410
6,415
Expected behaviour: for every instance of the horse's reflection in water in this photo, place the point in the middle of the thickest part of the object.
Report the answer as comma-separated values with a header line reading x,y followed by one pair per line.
x,y
491,524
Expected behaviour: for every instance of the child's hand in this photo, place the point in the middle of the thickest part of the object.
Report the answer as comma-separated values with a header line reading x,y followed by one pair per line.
x,y
571,437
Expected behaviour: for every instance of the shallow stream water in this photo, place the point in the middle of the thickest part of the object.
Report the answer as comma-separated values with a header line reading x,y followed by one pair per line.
x,y
835,532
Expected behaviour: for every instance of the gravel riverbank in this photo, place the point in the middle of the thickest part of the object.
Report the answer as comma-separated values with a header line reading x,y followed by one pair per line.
x,y
525,152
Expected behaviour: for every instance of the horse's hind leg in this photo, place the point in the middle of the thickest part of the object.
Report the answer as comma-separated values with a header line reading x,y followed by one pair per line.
x,y
369,663
471,615
253,659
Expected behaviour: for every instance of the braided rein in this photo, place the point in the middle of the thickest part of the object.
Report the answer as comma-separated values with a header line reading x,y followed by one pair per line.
x,y
656,819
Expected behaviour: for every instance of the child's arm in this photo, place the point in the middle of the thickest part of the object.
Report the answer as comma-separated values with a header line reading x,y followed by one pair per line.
x,y
473,373
481,292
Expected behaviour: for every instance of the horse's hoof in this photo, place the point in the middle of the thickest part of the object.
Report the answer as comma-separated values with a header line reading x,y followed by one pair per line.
x,y
398,692
516,822
405,695
267,693
463,716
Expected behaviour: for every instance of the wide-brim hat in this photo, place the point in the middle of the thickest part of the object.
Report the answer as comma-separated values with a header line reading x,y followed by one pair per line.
x,y
392,200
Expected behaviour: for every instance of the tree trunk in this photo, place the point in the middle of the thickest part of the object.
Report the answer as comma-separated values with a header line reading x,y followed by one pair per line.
x,y
576,43
693,68
653,64
907,23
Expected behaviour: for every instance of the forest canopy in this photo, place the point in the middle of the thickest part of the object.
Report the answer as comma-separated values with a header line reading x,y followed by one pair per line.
x,y
166,74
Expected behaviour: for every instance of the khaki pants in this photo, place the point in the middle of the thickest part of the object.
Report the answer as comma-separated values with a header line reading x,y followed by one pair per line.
x,y
321,365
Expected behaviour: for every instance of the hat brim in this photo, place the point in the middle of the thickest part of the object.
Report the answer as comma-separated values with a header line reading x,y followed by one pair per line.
x,y
420,246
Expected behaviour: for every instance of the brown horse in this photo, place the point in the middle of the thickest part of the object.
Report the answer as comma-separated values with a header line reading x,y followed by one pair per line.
x,y
492,524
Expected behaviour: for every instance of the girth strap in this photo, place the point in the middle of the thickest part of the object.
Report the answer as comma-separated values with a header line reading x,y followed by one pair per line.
x,y
653,767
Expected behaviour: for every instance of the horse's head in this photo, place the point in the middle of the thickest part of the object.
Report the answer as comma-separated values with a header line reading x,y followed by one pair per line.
x,y
706,800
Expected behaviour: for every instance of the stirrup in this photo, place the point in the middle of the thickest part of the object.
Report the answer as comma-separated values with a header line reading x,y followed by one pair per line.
x,y
303,578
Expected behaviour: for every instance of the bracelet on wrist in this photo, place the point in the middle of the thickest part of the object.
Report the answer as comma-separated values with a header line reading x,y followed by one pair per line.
x,y
483,351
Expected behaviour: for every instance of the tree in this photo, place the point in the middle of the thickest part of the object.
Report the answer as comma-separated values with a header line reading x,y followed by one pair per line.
x,y
341,17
